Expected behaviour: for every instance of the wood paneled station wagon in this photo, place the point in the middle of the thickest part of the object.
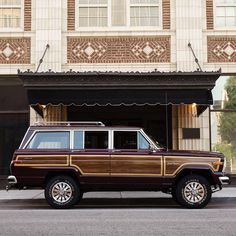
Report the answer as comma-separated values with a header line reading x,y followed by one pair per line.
x,y
69,159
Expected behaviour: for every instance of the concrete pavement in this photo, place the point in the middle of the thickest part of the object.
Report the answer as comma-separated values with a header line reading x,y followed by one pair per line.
x,y
229,192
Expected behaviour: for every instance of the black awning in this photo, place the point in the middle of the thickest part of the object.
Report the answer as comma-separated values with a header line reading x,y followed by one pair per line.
x,y
119,88
118,97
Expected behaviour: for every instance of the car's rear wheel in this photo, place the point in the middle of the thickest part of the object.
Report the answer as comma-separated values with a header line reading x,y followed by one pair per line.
x,y
193,191
62,192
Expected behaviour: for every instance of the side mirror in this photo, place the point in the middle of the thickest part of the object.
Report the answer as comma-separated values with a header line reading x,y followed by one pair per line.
x,y
152,148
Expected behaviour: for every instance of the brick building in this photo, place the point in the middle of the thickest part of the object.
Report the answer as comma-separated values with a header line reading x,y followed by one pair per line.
x,y
100,38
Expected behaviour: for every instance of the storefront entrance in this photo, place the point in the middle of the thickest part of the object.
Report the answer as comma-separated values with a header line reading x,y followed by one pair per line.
x,y
155,120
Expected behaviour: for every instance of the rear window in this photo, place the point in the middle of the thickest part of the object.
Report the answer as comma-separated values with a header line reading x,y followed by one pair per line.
x,y
50,140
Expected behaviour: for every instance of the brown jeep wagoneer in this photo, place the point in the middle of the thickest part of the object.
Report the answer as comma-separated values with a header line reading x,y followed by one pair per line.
x,y
68,159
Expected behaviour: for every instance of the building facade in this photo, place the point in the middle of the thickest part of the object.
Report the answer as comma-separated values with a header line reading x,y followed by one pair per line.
x,y
108,36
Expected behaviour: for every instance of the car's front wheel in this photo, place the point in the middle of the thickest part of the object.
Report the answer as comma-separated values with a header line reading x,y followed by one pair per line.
x,y
62,192
193,191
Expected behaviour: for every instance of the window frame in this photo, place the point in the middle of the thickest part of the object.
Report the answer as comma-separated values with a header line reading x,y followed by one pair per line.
x,y
159,5
88,5
89,130
126,27
47,131
14,29
215,17
152,144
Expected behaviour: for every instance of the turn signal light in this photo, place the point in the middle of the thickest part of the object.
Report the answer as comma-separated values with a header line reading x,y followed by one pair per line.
x,y
217,163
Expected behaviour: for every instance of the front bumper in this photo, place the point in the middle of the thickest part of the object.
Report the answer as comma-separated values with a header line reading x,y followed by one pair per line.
x,y
224,180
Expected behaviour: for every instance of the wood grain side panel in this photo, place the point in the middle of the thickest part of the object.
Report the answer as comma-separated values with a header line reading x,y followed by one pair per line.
x,y
91,165
42,160
172,164
136,165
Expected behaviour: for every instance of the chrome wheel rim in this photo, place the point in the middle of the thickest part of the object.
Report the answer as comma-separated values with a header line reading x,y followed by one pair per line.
x,y
61,192
194,192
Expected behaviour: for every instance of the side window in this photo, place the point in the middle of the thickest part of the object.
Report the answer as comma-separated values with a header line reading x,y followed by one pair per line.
x,y
78,140
50,140
125,140
96,140
142,142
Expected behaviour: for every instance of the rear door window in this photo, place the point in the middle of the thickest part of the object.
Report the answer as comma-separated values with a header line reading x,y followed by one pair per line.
x,y
125,140
96,140
50,140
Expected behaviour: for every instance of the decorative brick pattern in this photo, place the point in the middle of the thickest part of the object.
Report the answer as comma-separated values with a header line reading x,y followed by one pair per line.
x,y
118,49
27,15
209,14
15,50
221,49
71,15
166,14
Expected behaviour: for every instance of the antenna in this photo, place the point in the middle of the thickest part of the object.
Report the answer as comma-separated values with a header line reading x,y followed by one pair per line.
x,y
41,59
196,60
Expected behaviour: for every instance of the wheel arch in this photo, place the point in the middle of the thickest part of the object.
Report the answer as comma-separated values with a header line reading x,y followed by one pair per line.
x,y
52,173
205,172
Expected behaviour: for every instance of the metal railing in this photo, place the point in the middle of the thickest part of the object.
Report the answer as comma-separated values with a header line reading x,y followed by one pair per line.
x,y
68,123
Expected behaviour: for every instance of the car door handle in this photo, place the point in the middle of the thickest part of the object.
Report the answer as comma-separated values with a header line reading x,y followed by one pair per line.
x,y
116,150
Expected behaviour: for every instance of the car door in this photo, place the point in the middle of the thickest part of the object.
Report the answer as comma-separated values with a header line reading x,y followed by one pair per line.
x,y
132,160
91,156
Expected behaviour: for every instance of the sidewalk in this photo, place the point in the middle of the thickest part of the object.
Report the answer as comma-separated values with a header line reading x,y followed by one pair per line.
x,y
228,192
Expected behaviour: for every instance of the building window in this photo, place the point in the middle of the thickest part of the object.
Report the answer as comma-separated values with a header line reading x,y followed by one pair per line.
x,y
144,12
10,13
118,13
93,13
225,13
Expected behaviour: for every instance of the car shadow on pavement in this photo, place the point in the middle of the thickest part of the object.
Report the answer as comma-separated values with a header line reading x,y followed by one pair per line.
x,y
104,203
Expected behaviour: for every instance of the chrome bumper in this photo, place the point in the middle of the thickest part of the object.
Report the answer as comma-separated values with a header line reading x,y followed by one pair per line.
x,y
11,180
224,180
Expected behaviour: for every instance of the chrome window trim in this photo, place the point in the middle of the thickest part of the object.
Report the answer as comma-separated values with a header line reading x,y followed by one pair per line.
x,y
148,139
30,138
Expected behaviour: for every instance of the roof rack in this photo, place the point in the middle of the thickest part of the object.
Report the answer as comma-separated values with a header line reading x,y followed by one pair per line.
x,y
69,123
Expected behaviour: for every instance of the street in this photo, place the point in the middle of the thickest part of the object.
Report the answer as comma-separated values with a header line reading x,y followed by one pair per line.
x,y
112,216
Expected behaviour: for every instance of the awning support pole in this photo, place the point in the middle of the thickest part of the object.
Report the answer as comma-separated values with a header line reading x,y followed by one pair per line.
x,y
167,124
41,60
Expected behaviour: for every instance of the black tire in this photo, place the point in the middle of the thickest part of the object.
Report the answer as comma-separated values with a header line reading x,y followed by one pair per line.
x,y
193,191
62,192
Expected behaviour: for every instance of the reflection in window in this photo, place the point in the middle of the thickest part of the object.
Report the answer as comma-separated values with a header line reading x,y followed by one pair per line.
x,y
78,140
142,142
10,13
125,140
96,139
225,13
50,140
